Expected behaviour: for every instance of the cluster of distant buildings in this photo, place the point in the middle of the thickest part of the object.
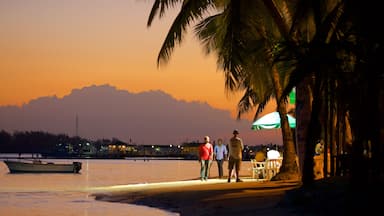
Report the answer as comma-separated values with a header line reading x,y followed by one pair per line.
x,y
122,150
63,146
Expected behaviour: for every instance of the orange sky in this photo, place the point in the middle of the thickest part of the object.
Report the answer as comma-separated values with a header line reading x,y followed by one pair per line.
x,y
49,47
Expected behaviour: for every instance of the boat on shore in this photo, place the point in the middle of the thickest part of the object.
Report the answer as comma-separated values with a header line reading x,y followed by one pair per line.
x,y
38,166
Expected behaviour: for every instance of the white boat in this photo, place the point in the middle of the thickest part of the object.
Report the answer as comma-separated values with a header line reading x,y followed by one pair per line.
x,y
38,166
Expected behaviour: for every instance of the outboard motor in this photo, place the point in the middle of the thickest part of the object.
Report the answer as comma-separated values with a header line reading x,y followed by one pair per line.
x,y
76,167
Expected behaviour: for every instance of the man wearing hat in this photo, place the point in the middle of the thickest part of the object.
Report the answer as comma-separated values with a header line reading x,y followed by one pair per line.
x,y
235,149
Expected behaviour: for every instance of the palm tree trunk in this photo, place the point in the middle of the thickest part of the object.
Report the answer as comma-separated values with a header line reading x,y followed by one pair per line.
x,y
312,135
289,169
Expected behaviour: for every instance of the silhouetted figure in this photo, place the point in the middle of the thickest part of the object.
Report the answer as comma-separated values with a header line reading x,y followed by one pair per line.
x,y
235,148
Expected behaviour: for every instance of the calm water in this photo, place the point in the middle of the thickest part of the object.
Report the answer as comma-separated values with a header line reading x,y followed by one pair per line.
x,y
70,194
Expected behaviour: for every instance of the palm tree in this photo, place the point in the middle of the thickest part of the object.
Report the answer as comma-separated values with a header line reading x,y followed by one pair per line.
x,y
240,40
244,39
332,46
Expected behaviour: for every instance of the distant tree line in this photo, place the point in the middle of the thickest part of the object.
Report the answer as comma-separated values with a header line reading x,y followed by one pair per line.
x,y
47,143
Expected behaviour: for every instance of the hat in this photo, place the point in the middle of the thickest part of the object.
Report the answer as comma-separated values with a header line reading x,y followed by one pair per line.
x,y
235,132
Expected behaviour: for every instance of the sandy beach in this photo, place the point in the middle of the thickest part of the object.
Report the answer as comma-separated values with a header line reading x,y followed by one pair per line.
x,y
214,197
270,198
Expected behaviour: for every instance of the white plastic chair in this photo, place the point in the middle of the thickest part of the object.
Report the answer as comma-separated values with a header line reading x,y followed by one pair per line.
x,y
258,169
272,167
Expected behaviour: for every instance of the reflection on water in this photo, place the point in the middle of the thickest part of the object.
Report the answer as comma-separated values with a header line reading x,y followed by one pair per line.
x,y
95,173
69,194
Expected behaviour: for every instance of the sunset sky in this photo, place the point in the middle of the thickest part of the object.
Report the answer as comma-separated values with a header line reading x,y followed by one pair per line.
x,y
49,47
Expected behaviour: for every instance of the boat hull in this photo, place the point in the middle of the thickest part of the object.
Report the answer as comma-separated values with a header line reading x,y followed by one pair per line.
x,y
39,167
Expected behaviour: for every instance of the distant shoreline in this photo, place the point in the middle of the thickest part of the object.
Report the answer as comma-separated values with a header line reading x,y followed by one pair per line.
x,y
39,156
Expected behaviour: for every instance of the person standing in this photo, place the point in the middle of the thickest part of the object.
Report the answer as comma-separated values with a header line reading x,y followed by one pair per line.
x,y
235,148
220,153
205,158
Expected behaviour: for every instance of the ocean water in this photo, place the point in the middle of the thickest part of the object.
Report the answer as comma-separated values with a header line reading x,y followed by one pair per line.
x,y
71,194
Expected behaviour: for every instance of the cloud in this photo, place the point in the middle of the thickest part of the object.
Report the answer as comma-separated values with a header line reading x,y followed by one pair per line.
x,y
151,117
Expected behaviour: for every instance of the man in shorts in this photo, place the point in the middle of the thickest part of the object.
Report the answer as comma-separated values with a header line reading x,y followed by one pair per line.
x,y
235,150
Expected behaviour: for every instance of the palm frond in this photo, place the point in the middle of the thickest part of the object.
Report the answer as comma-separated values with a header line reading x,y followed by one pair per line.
x,y
163,5
329,26
189,12
206,32
250,100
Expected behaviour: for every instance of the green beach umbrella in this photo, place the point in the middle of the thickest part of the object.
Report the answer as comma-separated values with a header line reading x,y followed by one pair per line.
x,y
272,120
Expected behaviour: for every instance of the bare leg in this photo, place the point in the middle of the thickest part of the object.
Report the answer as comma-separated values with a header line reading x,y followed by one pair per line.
x,y
233,174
